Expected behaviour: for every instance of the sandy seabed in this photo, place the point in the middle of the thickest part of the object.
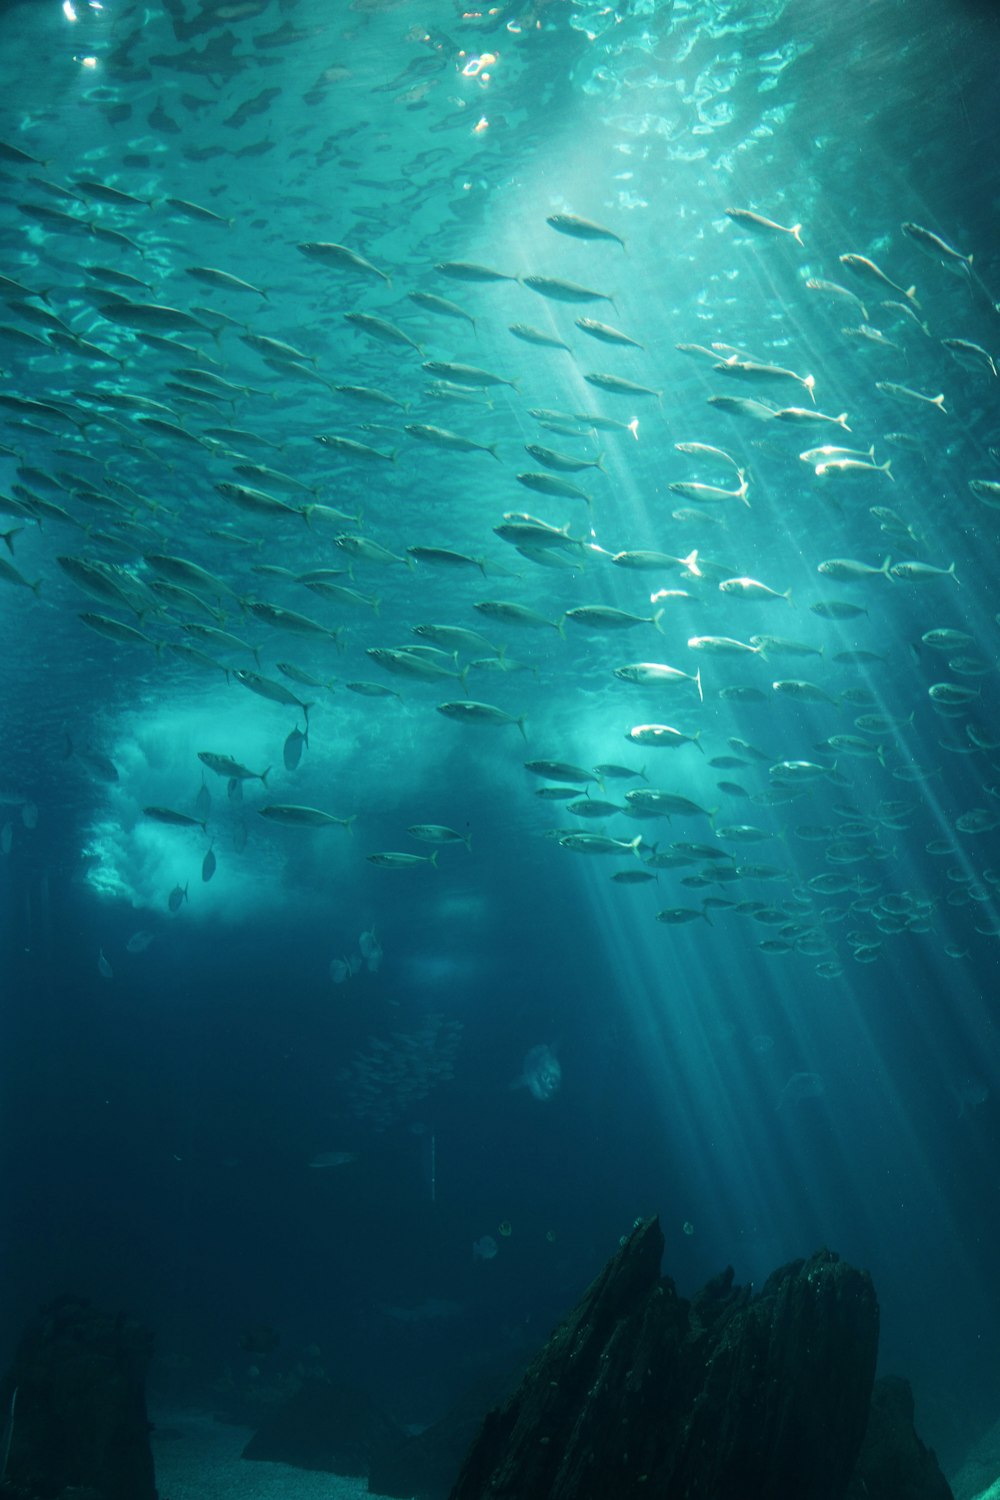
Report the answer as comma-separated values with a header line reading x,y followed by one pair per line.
x,y
198,1458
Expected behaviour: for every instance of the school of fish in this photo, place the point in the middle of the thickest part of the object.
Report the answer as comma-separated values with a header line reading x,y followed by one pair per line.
x,y
496,490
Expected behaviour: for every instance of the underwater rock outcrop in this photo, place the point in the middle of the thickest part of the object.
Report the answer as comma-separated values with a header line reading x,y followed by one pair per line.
x,y
75,1404
730,1396
894,1464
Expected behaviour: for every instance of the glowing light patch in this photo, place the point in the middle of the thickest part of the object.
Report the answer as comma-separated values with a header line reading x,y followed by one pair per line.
x,y
480,126
475,66
87,62
68,11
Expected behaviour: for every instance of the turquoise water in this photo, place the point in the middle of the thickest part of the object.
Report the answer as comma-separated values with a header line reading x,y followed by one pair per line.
x,y
291,289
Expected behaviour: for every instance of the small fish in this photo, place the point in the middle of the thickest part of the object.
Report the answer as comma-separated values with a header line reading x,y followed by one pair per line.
x,y
757,373
467,711
904,394
509,613
381,329
677,916
937,248
172,818
606,334
438,833
208,865
563,291
538,336
177,897
441,437
920,572
802,691
615,385
721,645
291,815
441,305
564,463
599,843
605,617
391,860
750,589
971,356
662,736
466,270
340,258
837,609
708,492
848,571
297,741
803,415
757,224
742,406
559,770
467,375
582,229
648,673
868,270
833,289
103,967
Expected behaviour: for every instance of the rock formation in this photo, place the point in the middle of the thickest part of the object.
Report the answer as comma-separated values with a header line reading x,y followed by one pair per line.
x,y
641,1394
78,1419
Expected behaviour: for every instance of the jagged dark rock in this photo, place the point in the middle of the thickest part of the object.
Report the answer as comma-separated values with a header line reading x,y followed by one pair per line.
x,y
641,1395
79,1421
326,1426
894,1464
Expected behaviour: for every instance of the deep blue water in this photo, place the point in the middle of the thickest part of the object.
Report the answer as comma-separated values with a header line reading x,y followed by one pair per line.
x,y
837,1086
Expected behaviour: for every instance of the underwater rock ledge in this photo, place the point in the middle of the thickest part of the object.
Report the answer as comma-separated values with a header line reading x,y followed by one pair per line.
x,y
730,1396
75,1407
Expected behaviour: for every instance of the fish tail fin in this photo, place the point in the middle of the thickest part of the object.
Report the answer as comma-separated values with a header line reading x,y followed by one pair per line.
x,y
561,626
350,822
788,595
796,234
520,725
939,402
697,683
954,575
434,858
467,841
886,565
265,774
810,384
36,587
656,621
305,711
911,295
842,421
376,605
696,740
704,913
635,845
9,536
